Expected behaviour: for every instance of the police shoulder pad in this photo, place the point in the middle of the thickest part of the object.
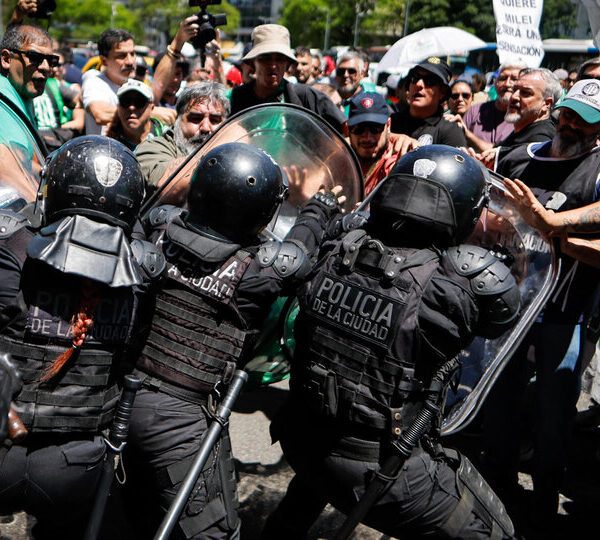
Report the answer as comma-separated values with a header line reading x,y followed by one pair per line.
x,y
268,252
468,260
11,222
163,214
292,259
149,257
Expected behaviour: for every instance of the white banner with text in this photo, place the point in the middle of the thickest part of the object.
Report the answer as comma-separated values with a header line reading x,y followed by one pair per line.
x,y
517,31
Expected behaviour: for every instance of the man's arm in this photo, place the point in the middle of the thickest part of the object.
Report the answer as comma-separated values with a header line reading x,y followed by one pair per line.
x,y
24,8
165,70
101,111
579,220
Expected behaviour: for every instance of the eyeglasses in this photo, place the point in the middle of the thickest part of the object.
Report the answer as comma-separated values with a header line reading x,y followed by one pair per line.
x,y
464,95
133,98
572,80
428,80
373,129
37,58
340,72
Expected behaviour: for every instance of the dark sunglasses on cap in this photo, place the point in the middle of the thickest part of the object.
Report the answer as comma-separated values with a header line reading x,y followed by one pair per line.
x,y
340,72
133,98
37,58
585,76
373,129
428,80
464,95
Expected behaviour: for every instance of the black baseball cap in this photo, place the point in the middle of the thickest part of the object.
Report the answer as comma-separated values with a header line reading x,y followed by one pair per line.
x,y
438,67
368,107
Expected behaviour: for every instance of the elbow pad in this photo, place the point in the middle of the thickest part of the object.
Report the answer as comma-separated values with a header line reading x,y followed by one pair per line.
x,y
287,258
494,287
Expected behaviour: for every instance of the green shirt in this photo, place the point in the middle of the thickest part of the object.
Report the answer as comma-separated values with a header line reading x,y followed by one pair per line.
x,y
14,132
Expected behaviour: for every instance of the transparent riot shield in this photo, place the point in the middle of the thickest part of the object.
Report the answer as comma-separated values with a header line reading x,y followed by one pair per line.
x,y
535,268
21,161
311,152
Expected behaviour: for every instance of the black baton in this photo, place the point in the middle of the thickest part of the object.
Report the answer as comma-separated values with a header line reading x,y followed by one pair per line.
x,y
115,443
210,438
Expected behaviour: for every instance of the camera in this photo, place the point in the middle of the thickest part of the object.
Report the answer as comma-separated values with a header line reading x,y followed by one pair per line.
x,y
45,8
207,22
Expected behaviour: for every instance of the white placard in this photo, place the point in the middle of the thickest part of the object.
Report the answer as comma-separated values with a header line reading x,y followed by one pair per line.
x,y
517,31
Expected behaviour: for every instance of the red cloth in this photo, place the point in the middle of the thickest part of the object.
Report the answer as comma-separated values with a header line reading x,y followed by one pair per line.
x,y
381,169
234,76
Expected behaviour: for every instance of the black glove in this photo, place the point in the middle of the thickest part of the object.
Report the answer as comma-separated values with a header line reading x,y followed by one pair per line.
x,y
324,205
343,223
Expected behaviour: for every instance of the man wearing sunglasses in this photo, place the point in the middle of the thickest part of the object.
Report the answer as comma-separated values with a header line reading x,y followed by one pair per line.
x,y
26,61
369,126
423,123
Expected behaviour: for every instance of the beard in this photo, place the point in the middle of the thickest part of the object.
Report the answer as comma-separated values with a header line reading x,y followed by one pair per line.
x,y
187,146
568,143
512,118
504,100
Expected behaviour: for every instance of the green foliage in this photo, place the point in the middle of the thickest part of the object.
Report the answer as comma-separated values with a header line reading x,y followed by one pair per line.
x,y
559,17
86,19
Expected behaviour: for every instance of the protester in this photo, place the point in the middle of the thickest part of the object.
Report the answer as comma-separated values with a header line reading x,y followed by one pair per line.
x,y
133,122
569,163
484,123
461,98
26,62
271,55
536,91
200,110
422,122
369,127
304,66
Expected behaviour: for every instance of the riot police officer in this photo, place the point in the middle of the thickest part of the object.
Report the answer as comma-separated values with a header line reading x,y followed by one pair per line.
x,y
68,297
381,321
219,286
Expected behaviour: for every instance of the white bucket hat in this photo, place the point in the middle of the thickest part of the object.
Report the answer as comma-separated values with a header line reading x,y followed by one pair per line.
x,y
269,39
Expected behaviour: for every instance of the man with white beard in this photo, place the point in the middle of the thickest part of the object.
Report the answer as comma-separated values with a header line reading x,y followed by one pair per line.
x,y
484,123
201,108
534,95
570,164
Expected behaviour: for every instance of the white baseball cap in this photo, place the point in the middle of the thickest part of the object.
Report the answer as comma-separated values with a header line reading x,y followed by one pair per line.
x,y
584,99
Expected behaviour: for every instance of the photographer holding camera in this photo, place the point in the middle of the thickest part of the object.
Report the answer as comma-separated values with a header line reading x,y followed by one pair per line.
x,y
35,9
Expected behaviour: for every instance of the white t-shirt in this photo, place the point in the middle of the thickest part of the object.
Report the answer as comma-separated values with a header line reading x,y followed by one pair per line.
x,y
97,87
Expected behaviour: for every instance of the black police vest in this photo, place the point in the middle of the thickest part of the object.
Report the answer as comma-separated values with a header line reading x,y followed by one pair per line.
x,y
82,397
357,336
197,334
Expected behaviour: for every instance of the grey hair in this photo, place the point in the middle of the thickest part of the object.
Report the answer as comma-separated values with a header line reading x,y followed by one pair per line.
x,y
514,64
351,55
212,92
17,35
552,88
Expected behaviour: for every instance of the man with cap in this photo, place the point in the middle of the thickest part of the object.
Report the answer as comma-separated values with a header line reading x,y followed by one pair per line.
x,y
369,127
133,122
569,164
272,56
423,123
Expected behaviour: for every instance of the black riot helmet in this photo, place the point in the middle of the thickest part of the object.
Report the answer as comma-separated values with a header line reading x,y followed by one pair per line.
x,y
235,191
93,176
434,194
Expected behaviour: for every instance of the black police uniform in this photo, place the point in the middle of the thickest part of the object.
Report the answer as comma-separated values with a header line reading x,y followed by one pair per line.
x,y
206,318
46,277
375,324
432,130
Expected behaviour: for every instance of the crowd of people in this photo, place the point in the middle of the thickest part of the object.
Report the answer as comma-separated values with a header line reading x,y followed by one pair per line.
x,y
387,297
